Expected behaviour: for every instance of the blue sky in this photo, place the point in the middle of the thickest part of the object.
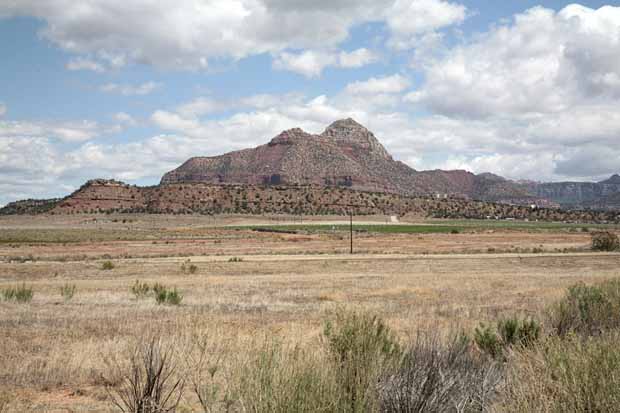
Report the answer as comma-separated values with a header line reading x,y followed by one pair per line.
x,y
129,90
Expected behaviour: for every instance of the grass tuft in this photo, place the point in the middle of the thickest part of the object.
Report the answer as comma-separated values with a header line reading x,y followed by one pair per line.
x,y
19,294
67,291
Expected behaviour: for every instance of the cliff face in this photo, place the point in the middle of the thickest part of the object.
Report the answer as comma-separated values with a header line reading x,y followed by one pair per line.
x,y
346,154
576,194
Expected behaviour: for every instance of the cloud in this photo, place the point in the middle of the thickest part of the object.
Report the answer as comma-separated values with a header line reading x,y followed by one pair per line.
x,y
2,109
79,131
124,119
357,58
311,63
541,88
408,20
542,62
130,90
81,63
388,84
189,34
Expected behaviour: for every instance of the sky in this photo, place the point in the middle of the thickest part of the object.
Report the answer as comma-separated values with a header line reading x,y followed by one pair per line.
x,y
131,89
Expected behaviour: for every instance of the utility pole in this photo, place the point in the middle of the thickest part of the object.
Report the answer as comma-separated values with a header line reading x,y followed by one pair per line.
x,y
351,228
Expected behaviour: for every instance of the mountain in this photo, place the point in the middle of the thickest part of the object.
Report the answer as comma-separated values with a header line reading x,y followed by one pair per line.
x,y
345,154
349,155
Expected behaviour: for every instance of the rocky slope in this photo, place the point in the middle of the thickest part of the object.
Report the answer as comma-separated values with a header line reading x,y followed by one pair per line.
x,y
99,196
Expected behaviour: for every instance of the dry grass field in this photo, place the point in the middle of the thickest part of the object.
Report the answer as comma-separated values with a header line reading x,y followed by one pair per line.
x,y
242,288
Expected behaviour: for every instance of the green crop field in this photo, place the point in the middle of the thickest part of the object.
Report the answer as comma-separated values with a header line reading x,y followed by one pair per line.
x,y
432,227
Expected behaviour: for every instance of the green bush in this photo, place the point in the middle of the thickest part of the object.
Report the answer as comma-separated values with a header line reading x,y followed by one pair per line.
x,y
107,265
235,259
158,288
278,379
587,309
164,295
605,241
362,348
488,340
509,332
20,294
565,374
67,291
140,289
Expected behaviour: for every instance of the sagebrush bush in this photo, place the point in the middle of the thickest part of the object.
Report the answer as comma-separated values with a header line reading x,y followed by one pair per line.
x,y
164,295
281,380
587,309
107,265
565,374
67,291
362,348
157,288
235,259
140,289
605,241
509,332
19,293
436,376
149,383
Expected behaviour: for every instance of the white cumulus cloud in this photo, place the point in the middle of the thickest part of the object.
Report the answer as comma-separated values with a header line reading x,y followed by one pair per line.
x,y
188,34
130,90
311,63
388,84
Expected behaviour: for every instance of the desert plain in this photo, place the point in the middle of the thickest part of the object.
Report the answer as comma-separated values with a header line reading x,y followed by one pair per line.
x,y
248,279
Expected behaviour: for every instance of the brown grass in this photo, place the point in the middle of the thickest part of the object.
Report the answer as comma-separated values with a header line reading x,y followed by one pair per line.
x,y
53,350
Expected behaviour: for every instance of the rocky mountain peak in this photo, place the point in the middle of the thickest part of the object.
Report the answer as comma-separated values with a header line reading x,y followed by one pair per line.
x,y
289,136
354,138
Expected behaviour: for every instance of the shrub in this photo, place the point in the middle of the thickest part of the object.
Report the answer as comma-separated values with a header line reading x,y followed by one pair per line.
x,y
510,332
20,294
140,289
605,241
278,379
166,296
188,268
158,288
148,383
454,231
570,374
516,332
362,348
67,291
107,265
587,309
235,259
488,341
440,377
